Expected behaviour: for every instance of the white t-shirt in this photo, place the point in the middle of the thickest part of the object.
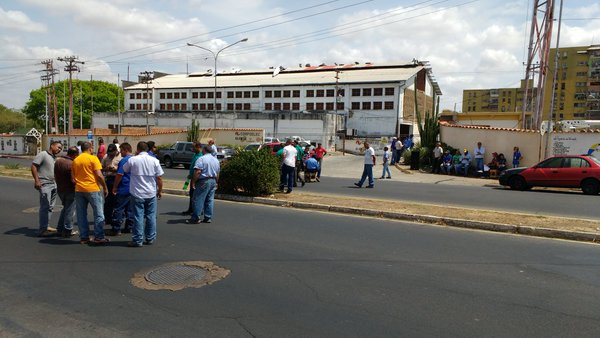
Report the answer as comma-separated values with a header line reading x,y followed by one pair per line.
x,y
369,153
143,170
437,152
289,155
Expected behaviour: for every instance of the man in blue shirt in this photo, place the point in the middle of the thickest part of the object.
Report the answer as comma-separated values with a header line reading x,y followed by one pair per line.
x,y
121,191
206,175
197,155
312,166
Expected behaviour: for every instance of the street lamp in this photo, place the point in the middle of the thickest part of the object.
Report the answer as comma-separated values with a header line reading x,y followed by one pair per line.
x,y
216,56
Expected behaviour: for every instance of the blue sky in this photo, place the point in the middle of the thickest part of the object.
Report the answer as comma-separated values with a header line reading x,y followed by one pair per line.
x,y
469,43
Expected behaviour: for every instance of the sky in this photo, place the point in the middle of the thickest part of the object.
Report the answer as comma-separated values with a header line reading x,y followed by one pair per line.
x,y
469,44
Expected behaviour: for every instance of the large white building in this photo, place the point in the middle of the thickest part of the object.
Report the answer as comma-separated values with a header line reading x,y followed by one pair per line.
x,y
367,100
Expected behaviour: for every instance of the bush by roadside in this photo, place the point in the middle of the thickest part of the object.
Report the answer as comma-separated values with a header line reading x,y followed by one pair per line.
x,y
253,173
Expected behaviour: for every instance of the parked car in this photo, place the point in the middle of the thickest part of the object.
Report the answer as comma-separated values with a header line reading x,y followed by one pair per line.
x,y
300,139
274,146
224,153
565,171
270,139
252,146
179,153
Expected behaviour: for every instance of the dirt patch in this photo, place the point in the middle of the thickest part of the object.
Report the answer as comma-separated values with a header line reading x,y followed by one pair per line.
x,y
213,274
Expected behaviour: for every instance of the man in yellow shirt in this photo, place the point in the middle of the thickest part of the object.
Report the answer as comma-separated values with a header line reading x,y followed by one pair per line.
x,y
87,174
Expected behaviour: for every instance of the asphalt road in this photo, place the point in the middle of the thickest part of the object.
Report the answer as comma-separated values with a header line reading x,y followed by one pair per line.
x,y
537,202
296,274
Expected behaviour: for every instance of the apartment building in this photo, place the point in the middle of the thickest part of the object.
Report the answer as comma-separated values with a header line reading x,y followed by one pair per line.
x,y
370,98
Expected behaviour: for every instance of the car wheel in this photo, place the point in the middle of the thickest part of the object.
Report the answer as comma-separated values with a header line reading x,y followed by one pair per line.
x,y
168,162
517,183
590,187
186,166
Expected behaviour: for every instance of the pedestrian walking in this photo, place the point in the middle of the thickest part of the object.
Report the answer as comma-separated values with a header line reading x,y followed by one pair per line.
x,y
288,166
197,154
42,170
145,187
65,188
369,162
120,190
386,160
320,152
87,174
206,176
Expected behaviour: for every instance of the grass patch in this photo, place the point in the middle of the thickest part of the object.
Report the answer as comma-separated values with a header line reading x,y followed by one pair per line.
x,y
12,166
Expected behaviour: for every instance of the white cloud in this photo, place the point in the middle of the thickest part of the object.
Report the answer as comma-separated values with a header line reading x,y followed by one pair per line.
x,y
19,21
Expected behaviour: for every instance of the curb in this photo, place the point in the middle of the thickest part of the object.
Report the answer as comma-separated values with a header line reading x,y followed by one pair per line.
x,y
426,219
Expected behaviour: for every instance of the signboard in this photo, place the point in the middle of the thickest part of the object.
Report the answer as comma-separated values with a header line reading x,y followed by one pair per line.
x,y
90,135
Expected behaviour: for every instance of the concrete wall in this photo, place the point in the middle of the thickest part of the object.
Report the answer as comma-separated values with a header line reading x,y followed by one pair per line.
x,y
531,144
14,145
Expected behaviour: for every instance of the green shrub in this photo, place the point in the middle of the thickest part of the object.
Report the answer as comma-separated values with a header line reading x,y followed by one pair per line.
x,y
253,173
12,166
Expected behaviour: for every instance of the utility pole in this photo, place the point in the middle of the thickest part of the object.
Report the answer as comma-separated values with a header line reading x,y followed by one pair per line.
x,y
119,103
147,77
71,67
48,79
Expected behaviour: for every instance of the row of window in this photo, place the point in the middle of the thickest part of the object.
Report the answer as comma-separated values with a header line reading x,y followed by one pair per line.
x,y
295,106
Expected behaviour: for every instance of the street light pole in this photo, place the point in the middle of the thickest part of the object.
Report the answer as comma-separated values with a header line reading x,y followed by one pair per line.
x,y
215,57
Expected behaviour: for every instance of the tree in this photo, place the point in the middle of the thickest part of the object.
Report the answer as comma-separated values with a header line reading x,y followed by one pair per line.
x,y
13,121
103,94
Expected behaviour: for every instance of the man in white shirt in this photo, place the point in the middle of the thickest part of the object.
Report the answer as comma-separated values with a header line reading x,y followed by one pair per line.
x,y
368,167
145,186
479,153
288,166
438,151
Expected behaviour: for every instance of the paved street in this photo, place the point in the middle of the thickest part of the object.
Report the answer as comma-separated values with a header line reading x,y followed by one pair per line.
x,y
296,273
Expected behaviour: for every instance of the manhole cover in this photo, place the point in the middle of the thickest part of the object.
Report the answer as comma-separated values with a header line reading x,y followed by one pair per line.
x,y
176,274
179,275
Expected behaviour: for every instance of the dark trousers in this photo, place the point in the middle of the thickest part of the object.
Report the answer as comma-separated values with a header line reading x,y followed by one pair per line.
x,y
191,204
110,200
287,177
436,167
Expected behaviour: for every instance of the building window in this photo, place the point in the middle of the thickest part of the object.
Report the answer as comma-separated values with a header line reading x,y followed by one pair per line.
x,y
238,106
356,105
356,92
247,95
239,95
330,93
203,95
340,106
286,93
138,96
184,106
286,106
203,106
176,96
320,105
377,105
209,106
169,106
194,95
255,94
320,93
377,91
194,106
295,106
366,91
162,96
277,106
210,95
183,96
268,106
341,92
218,106
390,92
230,106
169,96
247,106
230,95
162,106
268,93
366,105
310,93
310,106
329,106
176,106
132,96
388,105
296,93
277,93
131,106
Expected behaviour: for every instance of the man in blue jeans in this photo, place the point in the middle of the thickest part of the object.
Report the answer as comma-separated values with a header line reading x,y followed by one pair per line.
x,y
87,174
368,167
145,187
206,176
121,191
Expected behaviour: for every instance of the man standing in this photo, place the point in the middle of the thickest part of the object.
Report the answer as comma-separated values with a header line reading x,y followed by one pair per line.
x,y
145,187
393,146
197,155
368,167
479,153
42,170
438,151
206,176
298,167
320,152
213,147
288,166
87,174
110,163
66,192
121,191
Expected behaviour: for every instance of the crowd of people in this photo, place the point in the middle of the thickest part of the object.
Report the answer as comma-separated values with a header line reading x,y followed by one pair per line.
x,y
122,189
461,163
299,165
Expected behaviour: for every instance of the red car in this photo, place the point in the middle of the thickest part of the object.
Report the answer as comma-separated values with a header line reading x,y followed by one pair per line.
x,y
565,171
274,146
